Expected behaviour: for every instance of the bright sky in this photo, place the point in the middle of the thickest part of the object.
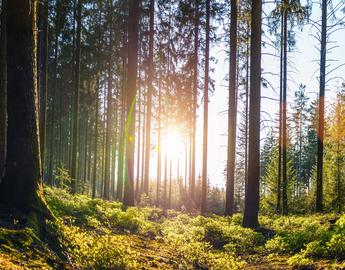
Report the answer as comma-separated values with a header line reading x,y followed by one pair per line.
x,y
303,68
305,71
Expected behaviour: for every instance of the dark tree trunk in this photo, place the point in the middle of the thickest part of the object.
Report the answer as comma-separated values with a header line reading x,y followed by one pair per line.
x,y
3,88
278,203
321,116
133,29
149,99
284,113
232,112
76,101
22,184
251,210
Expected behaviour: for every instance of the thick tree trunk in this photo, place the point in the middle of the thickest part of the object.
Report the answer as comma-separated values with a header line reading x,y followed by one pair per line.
x,y
232,112
251,210
321,116
133,29
76,101
3,88
21,186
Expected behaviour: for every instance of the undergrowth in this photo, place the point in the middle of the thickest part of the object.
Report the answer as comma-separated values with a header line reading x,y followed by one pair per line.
x,y
97,234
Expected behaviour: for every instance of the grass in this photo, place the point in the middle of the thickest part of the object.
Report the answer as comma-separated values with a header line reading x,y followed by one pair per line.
x,y
97,234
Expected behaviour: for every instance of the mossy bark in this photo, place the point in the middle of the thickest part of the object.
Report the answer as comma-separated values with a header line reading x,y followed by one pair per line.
x,y
21,187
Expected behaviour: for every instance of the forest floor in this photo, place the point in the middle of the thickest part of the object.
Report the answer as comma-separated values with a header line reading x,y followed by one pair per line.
x,y
96,234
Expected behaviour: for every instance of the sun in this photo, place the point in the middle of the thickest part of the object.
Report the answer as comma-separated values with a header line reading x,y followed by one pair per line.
x,y
174,143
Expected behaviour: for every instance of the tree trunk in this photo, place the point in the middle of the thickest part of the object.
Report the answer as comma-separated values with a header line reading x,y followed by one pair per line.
x,y
159,153
137,186
232,112
76,101
194,95
250,218
133,29
43,76
22,184
278,203
321,116
53,96
3,88
149,99
284,115
106,192
205,131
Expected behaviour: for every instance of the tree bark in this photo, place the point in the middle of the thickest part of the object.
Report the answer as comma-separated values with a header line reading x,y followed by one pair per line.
x,y
232,112
21,186
149,99
205,131
133,29
75,131
251,210
321,116
284,114
106,191
3,88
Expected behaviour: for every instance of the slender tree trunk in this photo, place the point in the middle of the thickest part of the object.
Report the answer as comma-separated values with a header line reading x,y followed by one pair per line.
x,y
76,101
3,88
278,203
194,101
53,95
251,210
106,191
44,57
22,184
113,170
149,99
205,133
321,116
133,29
284,113
170,183
143,150
137,186
159,153
232,112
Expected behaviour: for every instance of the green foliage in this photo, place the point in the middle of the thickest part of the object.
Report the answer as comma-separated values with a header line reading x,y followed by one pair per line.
x,y
90,250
